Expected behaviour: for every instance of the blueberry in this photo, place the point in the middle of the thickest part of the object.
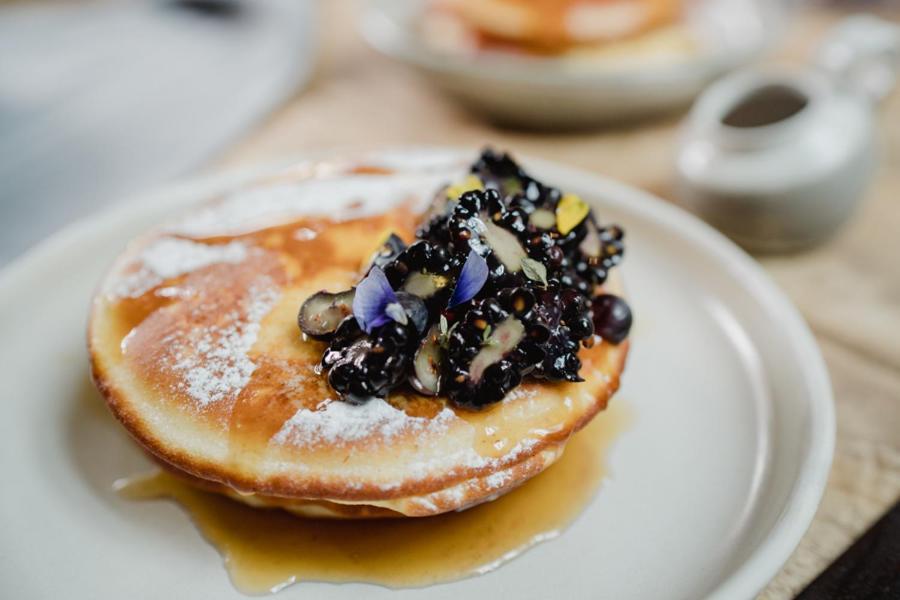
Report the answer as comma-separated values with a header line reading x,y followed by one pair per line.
x,y
322,313
612,318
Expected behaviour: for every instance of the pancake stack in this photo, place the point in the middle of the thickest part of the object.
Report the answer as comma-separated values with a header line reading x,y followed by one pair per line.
x,y
194,345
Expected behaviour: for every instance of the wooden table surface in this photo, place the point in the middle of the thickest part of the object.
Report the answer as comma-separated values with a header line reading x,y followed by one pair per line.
x,y
848,289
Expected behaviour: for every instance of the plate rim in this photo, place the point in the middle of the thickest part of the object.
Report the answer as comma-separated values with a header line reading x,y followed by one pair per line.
x,y
770,554
765,561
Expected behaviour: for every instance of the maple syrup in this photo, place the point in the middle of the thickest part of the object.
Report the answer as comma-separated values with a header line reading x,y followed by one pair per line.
x,y
266,550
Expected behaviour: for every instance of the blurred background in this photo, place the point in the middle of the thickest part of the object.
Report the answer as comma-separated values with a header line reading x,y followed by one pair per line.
x,y
101,100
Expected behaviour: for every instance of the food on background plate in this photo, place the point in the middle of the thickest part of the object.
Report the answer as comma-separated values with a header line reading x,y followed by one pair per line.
x,y
585,32
449,343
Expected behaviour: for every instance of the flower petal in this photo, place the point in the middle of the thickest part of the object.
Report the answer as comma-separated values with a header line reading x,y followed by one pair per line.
x,y
373,294
471,279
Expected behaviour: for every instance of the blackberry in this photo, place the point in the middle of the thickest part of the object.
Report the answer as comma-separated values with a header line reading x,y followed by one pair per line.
x,y
346,333
435,228
425,270
480,221
421,256
388,251
497,166
485,356
370,366
600,250
499,171
562,320
588,251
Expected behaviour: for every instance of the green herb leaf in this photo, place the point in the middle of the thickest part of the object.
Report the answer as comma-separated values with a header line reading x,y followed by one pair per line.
x,y
487,334
443,325
534,270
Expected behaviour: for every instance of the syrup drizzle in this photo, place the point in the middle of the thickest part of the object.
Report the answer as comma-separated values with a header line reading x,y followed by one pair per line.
x,y
266,550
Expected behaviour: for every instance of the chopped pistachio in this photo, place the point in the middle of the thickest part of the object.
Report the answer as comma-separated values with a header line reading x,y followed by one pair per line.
x,y
570,211
471,182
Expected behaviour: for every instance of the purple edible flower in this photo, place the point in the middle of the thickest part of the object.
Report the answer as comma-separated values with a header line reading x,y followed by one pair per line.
x,y
471,279
373,296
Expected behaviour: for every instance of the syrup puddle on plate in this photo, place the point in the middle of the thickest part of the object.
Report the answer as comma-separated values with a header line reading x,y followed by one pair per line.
x,y
266,550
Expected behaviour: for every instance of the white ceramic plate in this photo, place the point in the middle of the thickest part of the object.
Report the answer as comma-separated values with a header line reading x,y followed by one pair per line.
x,y
548,92
710,489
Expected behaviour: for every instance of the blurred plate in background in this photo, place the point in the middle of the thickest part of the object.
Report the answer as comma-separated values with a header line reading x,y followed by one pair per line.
x,y
544,92
102,98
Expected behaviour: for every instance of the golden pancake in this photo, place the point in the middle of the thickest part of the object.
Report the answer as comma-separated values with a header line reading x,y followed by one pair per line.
x,y
195,347
557,25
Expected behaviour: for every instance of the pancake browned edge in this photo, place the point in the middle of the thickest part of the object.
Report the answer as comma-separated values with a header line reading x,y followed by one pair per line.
x,y
555,26
194,345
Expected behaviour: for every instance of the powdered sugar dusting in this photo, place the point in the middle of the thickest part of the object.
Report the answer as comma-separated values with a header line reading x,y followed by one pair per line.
x,y
421,159
342,197
339,423
465,458
213,361
522,392
498,479
169,257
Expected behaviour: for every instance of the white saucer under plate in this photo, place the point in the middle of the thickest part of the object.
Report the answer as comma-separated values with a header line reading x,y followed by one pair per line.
x,y
552,92
710,489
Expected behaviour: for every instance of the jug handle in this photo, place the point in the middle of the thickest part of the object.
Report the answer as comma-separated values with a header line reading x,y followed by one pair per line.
x,y
862,54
